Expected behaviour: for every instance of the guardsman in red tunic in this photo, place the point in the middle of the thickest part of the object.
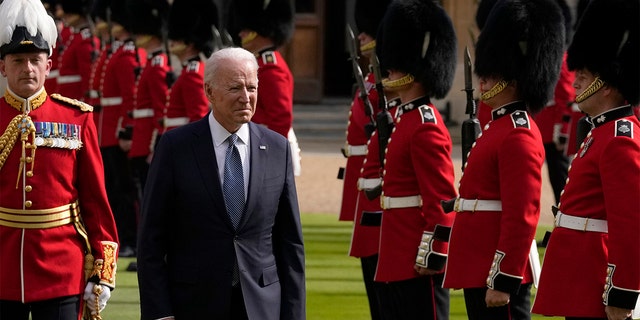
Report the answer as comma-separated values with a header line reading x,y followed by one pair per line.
x,y
191,42
75,61
263,27
492,247
115,127
592,264
361,119
96,77
365,239
59,241
416,44
63,32
152,87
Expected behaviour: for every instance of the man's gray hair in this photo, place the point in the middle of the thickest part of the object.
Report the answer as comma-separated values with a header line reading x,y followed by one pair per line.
x,y
224,56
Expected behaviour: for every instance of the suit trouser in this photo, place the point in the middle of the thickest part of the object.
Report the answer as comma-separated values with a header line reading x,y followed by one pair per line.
x,y
369,265
417,298
64,308
518,308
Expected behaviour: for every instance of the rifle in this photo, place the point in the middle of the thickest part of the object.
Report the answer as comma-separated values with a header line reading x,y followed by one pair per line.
x,y
357,73
170,77
470,127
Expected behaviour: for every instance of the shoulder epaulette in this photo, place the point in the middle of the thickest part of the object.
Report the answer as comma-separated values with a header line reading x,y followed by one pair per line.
x,y
520,119
624,128
428,115
157,60
269,57
72,102
193,66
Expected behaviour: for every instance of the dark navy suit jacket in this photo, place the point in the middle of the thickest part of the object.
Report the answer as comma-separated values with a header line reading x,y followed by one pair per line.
x,y
187,244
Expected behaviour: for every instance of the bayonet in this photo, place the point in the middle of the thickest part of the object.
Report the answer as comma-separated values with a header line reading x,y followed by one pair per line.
x,y
470,127
357,73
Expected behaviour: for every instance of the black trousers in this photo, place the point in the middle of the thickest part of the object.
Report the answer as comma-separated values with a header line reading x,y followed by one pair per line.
x,y
417,298
557,167
369,265
518,308
238,309
121,192
64,308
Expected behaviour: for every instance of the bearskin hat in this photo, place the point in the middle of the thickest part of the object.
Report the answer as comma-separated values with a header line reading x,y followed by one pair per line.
x,y
26,27
606,43
484,7
99,9
368,14
119,14
269,18
191,21
81,7
417,37
523,40
148,16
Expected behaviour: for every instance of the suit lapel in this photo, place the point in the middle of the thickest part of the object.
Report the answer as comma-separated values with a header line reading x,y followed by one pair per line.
x,y
258,160
205,158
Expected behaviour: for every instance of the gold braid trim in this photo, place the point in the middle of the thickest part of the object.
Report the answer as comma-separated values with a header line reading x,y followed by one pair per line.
x,y
369,46
27,129
8,139
252,35
394,84
590,90
497,88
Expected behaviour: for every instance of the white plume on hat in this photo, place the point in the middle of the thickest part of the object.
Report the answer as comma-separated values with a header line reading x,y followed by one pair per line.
x,y
30,14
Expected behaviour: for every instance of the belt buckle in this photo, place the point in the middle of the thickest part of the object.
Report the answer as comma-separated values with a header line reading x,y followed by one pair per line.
x,y
586,223
456,205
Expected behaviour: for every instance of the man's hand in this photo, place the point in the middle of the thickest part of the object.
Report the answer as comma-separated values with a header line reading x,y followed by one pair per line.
x,y
96,296
424,271
615,313
495,298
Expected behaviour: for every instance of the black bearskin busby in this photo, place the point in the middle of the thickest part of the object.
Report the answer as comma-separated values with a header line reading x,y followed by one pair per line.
x,y
119,14
368,14
523,41
606,43
272,19
191,21
99,10
484,7
417,37
26,27
81,7
148,16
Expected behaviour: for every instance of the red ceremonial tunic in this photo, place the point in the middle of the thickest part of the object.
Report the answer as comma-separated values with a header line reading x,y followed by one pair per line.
x,y
356,137
365,239
418,162
118,89
505,164
75,64
52,79
96,78
604,184
39,263
187,101
274,108
149,104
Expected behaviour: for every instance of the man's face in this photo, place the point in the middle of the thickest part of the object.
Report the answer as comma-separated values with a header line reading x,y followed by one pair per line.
x,y
25,72
234,95
591,105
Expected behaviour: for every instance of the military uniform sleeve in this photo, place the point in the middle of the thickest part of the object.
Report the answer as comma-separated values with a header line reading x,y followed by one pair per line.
x,y
94,205
620,174
195,100
520,162
275,98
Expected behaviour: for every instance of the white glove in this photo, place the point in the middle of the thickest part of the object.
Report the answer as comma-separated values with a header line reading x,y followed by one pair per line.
x,y
96,296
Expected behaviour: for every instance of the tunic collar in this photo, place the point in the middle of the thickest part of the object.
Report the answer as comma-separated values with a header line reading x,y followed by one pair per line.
x,y
508,109
25,105
610,115
413,105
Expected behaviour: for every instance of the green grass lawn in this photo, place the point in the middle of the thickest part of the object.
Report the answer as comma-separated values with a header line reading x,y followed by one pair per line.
x,y
334,280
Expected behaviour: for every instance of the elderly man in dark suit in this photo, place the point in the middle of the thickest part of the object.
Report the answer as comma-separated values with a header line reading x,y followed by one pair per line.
x,y
220,234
